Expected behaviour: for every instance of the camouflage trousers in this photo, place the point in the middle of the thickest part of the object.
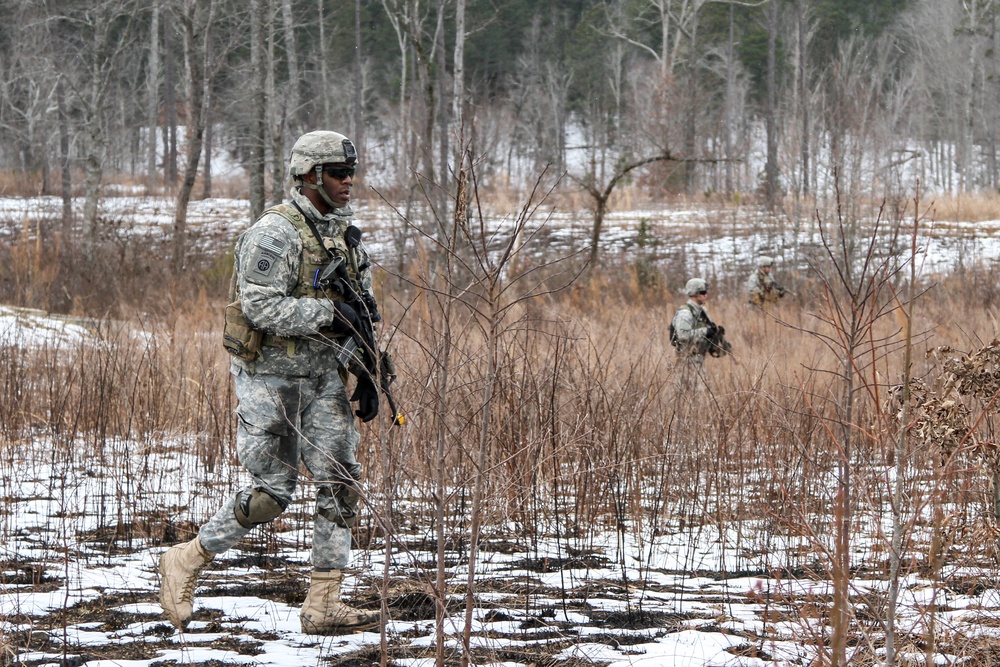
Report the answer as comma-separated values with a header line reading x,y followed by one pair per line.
x,y
689,374
282,421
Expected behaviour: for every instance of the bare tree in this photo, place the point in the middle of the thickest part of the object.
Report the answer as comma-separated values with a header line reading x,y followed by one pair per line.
x,y
771,186
65,162
169,100
359,83
101,34
196,18
153,94
258,99
601,195
292,104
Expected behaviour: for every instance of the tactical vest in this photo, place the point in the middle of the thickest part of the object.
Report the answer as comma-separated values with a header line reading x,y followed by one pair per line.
x,y
315,257
699,319
243,341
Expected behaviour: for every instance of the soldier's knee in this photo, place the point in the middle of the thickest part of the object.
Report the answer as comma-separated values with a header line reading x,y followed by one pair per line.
x,y
256,507
344,511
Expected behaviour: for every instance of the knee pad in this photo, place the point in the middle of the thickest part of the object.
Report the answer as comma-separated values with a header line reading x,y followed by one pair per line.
x,y
257,507
345,514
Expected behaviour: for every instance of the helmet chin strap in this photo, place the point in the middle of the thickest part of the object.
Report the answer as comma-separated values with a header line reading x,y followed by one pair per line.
x,y
318,169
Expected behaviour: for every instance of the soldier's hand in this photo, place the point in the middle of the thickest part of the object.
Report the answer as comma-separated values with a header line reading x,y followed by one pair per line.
x,y
345,320
711,331
366,395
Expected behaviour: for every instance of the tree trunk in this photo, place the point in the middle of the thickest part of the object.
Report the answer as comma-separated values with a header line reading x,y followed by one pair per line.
x,y
692,112
277,118
206,172
359,85
803,96
771,165
169,100
92,175
443,105
196,37
292,111
728,111
153,96
258,107
323,68
67,176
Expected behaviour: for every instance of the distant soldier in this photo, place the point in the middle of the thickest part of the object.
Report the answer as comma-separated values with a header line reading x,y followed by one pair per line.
x,y
763,289
694,335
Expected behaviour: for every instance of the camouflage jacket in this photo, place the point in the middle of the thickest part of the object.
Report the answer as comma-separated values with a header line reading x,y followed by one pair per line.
x,y
690,327
763,289
268,257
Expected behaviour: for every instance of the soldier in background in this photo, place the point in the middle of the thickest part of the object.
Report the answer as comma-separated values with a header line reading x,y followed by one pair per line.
x,y
762,287
694,335
290,377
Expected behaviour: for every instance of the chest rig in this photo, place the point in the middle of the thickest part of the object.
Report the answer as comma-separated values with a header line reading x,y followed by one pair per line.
x,y
243,341
316,255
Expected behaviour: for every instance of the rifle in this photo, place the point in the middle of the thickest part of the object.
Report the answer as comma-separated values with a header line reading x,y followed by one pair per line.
x,y
377,364
715,342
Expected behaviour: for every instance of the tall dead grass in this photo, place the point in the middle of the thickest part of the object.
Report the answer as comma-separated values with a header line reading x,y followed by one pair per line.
x,y
584,428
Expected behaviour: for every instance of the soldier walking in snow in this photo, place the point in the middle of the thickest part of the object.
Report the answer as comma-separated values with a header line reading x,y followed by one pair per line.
x,y
293,337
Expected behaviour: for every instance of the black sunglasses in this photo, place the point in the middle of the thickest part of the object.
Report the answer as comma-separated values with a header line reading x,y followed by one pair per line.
x,y
340,173
703,292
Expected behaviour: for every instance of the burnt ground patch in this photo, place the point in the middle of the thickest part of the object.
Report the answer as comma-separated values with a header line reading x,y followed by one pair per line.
x,y
104,609
19,572
584,561
640,619
541,655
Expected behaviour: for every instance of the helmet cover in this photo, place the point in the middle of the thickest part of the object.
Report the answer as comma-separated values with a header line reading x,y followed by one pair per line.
x,y
694,286
320,147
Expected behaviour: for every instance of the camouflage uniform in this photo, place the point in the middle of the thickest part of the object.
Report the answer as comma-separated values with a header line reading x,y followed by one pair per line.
x,y
293,404
764,289
690,325
293,269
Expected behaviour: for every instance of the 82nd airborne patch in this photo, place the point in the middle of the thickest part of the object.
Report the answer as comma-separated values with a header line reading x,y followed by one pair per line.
x,y
264,258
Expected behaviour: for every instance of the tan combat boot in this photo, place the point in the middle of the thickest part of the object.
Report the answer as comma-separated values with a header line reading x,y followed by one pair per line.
x,y
324,614
179,568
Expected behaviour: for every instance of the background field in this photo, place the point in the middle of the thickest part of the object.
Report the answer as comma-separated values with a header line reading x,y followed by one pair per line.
x,y
604,516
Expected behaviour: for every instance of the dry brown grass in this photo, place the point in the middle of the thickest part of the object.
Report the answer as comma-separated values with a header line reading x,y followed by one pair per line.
x,y
977,207
587,428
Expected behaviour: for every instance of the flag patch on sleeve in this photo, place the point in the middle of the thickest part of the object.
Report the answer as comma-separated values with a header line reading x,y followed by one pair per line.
x,y
265,256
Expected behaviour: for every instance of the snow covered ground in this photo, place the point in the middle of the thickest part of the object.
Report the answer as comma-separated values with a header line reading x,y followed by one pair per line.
x,y
78,585
717,243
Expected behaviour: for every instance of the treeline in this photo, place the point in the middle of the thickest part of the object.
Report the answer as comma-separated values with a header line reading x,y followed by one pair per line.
x,y
774,97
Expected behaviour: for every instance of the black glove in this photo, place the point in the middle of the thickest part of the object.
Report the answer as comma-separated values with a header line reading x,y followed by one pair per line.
x,y
345,320
366,394
711,331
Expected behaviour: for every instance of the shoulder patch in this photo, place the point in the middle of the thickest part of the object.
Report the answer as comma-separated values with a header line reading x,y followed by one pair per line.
x,y
265,257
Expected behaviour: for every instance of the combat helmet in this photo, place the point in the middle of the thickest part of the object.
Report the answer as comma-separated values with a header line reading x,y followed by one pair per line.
x,y
314,149
764,261
321,147
694,286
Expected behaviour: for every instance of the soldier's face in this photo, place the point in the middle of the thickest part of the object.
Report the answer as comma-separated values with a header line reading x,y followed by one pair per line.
x,y
338,179
700,298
